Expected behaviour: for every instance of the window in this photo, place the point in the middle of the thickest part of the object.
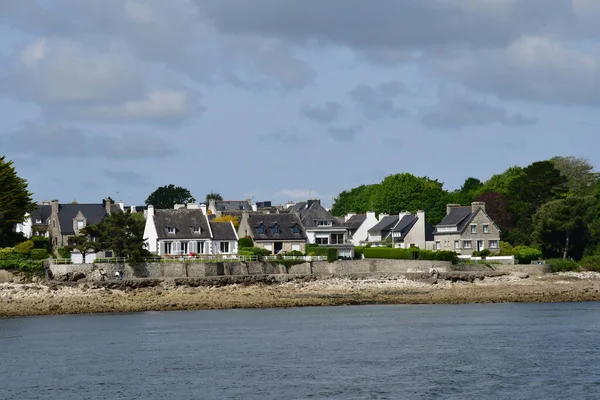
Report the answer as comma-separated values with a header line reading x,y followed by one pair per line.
x,y
322,240
493,244
170,229
54,223
80,224
486,228
438,246
38,220
275,229
467,244
224,246
295,247
324,223
337,238
457,244
260,230
108,254
184,247
295,228
200,247
197,229
168,247
473,228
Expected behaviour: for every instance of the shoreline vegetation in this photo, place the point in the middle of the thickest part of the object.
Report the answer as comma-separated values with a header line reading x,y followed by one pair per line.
x,y
19,298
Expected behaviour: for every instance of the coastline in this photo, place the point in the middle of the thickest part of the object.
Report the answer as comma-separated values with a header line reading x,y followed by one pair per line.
x,y
53,298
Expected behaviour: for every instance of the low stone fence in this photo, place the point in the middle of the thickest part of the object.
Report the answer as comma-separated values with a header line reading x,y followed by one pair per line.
x,y
96,271
532,269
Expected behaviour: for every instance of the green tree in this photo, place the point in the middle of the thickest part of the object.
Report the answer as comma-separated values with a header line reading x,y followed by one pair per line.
x,y
166,197
122,233
500,183
468,191
213,196
15,201
357,200
581,179
561,227
83,244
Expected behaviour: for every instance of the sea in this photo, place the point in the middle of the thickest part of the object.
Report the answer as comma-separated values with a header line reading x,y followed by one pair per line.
x,y
486,351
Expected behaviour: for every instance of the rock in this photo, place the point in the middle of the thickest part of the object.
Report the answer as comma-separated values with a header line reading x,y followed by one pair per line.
x,y
78,276
520,275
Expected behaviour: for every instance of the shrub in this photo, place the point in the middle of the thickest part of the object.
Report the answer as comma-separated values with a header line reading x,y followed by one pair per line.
x,y
410,254
255,251
384,252
9,253
591,263
40,242
294,253
526,254
63,252
38,254
446,255
560,265
332,255
483,253
24,248
506,249
358,252
246,242
29,267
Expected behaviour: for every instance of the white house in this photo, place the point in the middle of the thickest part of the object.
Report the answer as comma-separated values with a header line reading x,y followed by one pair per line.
x,y
404,230
185,230
358,226
321,227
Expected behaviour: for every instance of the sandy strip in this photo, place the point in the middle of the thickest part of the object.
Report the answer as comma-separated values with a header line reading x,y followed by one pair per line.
x,y
18,299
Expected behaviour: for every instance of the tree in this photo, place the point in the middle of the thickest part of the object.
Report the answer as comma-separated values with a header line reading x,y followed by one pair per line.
x,y
83,244
213,196
496,207
228,218
15,201
468,191
357,200
166,197
579,173
501,182
121,233
561,227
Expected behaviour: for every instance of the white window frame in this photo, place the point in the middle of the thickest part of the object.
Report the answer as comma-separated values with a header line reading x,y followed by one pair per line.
x,y
181,247
197,229
473,228
438,245
324,222
80,224
469,242
486,228
38,220
457,244
224,247
491,246
320,240
171,230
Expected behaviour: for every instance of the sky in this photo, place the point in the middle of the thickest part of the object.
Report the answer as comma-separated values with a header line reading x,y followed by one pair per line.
x,y
283,100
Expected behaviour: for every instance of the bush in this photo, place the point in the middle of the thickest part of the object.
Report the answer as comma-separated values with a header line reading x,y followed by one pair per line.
x,y
63,252
246,242
255,251
294,253
560,265
591,263
40,242
526,254
9,253
29,267
483,253
24,248
413,253
506,249
38,254
387,253
332,255
358,252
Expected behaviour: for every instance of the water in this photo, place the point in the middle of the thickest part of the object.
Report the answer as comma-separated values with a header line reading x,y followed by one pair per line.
x,y
493,351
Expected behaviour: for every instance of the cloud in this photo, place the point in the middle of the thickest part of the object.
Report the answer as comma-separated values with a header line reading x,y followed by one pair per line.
x,y
454,112
323,115
346,133
127,177
56,141
296,194
532,68
282,136
378,102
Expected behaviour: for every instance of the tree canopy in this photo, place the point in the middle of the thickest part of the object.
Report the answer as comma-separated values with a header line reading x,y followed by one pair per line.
x,y
213,196
15,201
121,232
166,197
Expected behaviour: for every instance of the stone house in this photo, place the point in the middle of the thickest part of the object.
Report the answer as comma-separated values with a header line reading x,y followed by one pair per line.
x,y
184,230
466,229
321,227
274,232
405,230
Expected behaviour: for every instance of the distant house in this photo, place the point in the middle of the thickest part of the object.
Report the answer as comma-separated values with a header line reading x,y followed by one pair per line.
x,y
321,227
224,238
36,223
466,229
225,206
358,226
274,232
403,230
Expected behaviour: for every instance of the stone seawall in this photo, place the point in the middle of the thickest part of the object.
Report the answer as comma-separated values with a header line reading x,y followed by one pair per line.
x,y
184,269
532,269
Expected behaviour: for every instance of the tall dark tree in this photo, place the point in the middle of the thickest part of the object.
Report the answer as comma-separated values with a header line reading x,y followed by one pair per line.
x,y
468,191
213,196
122,233
580,176
166,197
496,207
15,201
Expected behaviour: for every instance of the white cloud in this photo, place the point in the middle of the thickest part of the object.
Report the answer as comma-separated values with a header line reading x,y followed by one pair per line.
x,y
296,194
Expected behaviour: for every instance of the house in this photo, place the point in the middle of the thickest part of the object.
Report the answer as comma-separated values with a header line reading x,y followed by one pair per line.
x,y
67,220
177,231
405,230
36,223
219,207
358,226
321,227
224,238
274,232
466,229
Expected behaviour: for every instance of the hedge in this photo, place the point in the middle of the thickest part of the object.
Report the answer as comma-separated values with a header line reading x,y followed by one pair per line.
x,y
38,254
591,263
246,242
560,265
254,251
526,254
413,253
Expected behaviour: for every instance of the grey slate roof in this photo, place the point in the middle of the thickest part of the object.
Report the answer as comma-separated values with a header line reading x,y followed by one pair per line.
x,y
93,213
284,222
42,212
232,205
223,231
385,224
458,216
184,221
355,221
405,224
312,211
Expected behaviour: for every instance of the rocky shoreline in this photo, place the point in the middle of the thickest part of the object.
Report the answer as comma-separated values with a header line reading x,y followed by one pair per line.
x,y
136,295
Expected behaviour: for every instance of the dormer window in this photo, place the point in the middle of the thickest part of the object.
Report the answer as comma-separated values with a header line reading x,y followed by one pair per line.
x,y
38,220
80,224
324,223
170,229
295,228
260,230
196,229
275,229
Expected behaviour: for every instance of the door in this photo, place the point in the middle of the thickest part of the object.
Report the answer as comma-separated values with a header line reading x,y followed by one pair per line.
x,y
278,247
479,245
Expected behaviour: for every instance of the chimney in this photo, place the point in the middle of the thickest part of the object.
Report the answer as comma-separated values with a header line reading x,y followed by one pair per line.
x,y
212,205
150,211
192,206
202,207
54,207
121,205
348,216
132,209
476,205
311,202
449,207
421,215
178,206
371,215
382,216
107,204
